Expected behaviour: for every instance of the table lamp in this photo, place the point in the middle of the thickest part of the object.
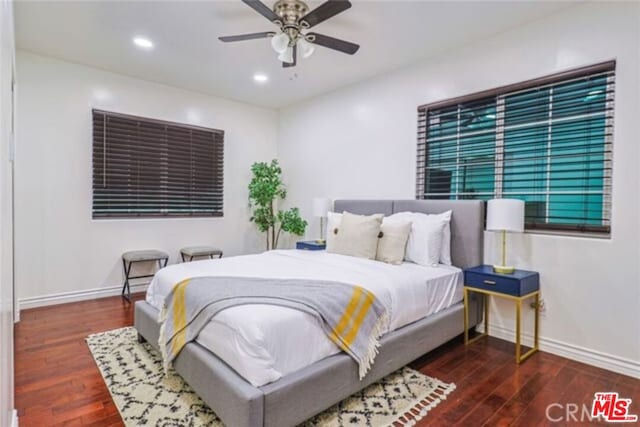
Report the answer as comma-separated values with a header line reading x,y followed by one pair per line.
x,y
321,205
505,215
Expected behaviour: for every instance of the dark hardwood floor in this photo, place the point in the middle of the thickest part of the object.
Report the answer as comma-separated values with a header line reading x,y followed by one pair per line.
x,y
58,383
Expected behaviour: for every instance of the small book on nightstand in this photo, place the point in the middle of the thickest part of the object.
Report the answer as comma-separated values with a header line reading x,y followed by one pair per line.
x,y
312,245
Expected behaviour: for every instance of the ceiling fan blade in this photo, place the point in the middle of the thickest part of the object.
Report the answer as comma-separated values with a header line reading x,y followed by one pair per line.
x,y
262,9
295,59
333,43
325,11
251,36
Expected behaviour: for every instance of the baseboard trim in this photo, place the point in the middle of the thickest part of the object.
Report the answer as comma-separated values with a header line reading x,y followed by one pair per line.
x,y
581,354
74,296
14,418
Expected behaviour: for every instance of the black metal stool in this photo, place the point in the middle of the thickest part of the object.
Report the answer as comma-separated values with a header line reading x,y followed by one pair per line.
x,y
131,257
199,251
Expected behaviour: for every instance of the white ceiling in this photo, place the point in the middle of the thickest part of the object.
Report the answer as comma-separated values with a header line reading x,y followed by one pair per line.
x,y
187,53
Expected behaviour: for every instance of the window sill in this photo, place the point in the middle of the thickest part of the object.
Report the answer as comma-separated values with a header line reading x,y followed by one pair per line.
x,y
153,218
576,234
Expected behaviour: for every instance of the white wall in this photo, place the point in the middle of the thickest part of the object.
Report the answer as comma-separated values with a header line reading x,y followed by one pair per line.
x,y
59,248
6,241
360,142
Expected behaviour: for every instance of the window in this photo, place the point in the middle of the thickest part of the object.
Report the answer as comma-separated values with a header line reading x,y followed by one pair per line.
x,y
547,141
151,168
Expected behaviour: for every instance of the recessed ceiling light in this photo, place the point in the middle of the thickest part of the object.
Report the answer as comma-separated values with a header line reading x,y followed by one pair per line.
x,y
143,42
260,78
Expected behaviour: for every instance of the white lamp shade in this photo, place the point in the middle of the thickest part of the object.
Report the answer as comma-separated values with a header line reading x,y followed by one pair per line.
x,y
306,48
286,56
505,215
280,42
321,205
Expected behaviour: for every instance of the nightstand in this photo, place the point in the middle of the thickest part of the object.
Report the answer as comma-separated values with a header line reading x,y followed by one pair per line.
x,y
517,286
311,245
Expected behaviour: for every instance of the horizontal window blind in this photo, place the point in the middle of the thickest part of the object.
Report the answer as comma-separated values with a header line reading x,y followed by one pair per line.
x,y
547,142
151,168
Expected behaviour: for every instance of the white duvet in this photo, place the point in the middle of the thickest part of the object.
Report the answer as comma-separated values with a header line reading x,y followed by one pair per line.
x,y
265,342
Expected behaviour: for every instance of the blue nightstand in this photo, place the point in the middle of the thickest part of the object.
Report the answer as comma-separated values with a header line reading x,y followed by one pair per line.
x,y
517,286
311,245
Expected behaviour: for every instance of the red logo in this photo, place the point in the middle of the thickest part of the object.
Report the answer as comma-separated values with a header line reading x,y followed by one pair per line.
x,y
612,408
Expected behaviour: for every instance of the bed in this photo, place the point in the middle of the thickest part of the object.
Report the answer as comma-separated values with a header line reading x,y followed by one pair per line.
x,y
274,384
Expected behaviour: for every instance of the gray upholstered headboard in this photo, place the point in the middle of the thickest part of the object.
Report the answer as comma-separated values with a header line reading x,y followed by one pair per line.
x,y
467,222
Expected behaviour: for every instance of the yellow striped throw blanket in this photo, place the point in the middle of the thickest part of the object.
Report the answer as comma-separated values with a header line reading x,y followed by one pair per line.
x,y
350,315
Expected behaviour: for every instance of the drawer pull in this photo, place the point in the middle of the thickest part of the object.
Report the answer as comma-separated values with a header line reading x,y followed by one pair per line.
x,y
489,282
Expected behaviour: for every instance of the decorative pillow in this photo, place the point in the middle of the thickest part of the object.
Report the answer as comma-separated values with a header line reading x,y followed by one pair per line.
x,y
333,223
425,242
392,244
357,235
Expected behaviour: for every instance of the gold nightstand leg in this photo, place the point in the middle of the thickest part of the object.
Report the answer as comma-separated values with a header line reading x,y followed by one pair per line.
x,y
518,301
536,334
486,314
536,327
518,315
522,358
466,317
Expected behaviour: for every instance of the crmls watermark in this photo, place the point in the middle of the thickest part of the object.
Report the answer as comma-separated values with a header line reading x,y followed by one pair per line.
x,y
568,412
607,406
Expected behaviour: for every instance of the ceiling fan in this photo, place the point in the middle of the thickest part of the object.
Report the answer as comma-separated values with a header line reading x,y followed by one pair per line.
x,y
292,18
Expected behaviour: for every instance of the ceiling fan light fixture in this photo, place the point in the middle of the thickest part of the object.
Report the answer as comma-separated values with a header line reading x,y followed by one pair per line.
x,y
286,56
280,42
306,48
292,19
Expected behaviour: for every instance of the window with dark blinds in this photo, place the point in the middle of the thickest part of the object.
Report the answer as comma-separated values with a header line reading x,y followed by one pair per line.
x,y
547,141
151,168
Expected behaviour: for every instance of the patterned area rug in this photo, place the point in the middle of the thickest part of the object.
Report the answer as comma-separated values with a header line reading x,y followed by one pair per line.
x,y
146,397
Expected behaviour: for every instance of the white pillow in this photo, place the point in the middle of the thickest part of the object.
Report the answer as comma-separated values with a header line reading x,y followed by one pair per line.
x,y
445,252
357,235
392,245
425,242
333,223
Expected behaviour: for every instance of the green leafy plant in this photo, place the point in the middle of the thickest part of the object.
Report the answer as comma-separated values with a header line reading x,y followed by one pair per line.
x,y
265,189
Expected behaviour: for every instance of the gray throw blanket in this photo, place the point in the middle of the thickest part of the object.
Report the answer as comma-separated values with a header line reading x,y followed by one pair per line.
x,y
350,315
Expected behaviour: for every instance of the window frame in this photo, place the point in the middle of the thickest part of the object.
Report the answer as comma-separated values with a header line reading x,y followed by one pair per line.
x,y
218,154
500,93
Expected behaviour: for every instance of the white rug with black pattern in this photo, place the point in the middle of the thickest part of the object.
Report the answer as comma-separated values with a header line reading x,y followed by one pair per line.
x,y
146,397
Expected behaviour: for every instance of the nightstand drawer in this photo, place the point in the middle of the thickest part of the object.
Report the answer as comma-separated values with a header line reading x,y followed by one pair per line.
x,y
517,285
490,283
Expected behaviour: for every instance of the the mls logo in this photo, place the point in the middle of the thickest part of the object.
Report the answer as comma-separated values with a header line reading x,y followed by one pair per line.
x,y
612,408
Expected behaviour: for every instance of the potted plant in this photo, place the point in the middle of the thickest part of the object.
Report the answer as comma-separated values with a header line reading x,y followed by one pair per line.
x,y
265,189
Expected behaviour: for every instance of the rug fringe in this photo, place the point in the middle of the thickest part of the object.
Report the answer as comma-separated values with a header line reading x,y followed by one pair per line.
x,y
427,403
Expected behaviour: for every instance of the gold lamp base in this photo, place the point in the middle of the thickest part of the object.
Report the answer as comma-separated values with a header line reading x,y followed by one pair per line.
x,y
503,269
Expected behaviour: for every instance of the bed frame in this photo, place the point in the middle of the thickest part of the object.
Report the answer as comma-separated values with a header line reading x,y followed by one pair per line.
x,y
307,392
